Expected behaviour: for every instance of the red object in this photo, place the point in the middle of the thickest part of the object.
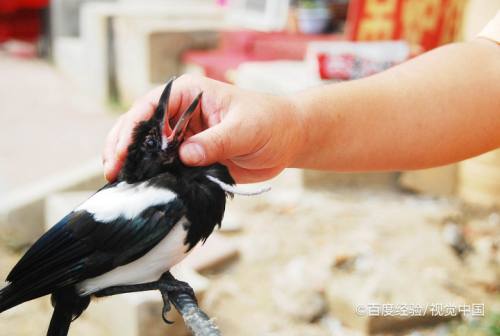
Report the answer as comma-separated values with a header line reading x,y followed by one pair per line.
x,y
423,23
21,25
349,66
9,6
335,68
244,46
21,19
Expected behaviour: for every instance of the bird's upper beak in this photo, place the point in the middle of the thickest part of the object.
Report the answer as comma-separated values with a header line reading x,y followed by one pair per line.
x,y
179,130
160,115
177,133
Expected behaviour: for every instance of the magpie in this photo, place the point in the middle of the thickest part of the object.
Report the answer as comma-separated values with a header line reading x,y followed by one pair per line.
x,y
128,235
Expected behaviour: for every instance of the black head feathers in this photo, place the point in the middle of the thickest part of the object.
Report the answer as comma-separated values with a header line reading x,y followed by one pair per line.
x,y
151,151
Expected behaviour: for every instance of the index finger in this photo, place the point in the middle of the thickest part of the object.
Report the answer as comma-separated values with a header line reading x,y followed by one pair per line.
x,y
110,169
121,135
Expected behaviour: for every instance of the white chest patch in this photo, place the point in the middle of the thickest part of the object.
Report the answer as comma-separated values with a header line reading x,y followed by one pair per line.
x,y
126,200
147,268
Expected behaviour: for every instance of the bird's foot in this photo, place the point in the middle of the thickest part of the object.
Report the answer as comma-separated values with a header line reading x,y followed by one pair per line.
x,y
170,284
166,307
171,287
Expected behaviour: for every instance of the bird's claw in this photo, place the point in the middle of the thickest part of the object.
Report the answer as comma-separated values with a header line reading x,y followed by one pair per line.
x,y
168,284
166,307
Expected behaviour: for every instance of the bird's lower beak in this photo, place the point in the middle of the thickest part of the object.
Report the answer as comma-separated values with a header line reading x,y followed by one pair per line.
x,y
179,130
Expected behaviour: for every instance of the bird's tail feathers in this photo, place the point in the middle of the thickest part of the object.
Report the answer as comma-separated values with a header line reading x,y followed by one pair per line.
x,y
68,306
60,322
7,298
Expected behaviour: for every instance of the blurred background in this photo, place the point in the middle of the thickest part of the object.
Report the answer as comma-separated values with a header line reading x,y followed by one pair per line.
x,y
412,253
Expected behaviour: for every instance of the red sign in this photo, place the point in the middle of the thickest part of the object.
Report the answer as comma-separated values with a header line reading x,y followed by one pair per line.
x,y
424,23
21,19
8,6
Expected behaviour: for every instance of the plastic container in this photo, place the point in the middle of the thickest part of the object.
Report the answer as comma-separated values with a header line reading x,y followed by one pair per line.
x,y
313,20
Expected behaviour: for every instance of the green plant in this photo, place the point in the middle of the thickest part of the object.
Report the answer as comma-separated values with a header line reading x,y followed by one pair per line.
x,y
311,4
487,326
494,325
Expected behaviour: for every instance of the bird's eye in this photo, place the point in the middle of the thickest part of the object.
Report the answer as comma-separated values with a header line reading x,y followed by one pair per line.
x,y
150,143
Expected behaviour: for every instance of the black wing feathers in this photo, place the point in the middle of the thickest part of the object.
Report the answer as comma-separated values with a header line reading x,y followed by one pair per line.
x,y
55,247
205,199
79,247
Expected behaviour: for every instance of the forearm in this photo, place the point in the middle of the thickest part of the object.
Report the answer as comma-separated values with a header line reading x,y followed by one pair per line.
x,y
439,108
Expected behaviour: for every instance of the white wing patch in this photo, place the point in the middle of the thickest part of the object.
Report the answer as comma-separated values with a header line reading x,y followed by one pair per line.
x,y
125,200
168,252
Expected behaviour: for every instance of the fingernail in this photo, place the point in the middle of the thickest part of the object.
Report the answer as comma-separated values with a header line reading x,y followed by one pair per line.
x,y
107,176
193,153
119,155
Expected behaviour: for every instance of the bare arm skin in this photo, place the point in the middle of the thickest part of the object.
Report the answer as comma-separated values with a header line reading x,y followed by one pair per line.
x,y
441,107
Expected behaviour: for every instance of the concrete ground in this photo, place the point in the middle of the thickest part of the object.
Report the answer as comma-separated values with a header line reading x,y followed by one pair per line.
x,y
307,259
47,125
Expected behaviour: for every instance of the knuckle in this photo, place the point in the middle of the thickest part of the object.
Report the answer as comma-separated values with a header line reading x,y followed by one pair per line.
x,y
190,80
120,120
186,77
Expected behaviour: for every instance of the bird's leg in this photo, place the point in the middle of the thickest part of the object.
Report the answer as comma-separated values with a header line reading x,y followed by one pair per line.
x,y
181,295
170,287
127,289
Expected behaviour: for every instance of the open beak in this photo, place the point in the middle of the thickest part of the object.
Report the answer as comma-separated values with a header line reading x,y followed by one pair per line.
x,y
179,130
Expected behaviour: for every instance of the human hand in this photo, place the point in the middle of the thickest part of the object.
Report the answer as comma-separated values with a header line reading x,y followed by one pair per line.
x,y
255,135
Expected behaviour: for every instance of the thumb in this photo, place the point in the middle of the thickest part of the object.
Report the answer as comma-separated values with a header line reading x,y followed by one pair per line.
x,y
212,145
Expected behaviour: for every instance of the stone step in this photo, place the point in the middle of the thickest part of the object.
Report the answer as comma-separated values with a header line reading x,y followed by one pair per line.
x,y
126,46
440,181
60,204
51,136
328,180
23,212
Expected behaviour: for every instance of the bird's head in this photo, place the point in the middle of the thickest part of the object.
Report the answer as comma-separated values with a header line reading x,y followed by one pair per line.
x,y
153,152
